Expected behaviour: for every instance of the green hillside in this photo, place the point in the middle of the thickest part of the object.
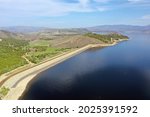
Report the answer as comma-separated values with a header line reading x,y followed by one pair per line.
x,y
15,53
11,51
107,38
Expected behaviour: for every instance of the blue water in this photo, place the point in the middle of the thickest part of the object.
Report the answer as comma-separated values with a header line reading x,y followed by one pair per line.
x,y
120,72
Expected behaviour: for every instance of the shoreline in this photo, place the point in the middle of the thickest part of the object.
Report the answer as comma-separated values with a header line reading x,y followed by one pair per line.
x,y
6,76
19,82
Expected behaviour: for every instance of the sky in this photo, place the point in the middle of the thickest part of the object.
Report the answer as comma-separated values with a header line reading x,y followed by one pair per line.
x,y
73,13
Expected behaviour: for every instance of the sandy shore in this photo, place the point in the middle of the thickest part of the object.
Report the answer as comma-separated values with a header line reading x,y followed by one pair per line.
x,y
18,83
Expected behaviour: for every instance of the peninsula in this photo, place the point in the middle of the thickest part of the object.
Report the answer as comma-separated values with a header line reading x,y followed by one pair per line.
x,y
22,57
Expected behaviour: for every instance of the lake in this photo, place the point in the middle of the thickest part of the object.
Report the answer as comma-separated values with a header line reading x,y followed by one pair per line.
x,y
120,72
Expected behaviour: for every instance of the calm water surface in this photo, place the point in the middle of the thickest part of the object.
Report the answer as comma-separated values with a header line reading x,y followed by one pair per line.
x,y
118,72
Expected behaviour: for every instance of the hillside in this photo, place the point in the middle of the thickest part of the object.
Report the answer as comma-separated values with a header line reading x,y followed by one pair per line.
x,y
11,52
22,29
36,33
75,41
6,34
30,29
106,38
18,49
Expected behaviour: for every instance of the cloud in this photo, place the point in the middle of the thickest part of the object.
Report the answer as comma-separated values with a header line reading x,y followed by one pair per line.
x,y
102,1
135,0
143,20
51,8
84,3
24,11
101,9
40,7
146,17
139,1
47,7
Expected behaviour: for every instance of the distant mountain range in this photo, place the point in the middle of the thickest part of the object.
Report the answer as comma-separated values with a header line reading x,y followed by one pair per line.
x,y
120,29
22,29
32,33
30,29
6,34
27,32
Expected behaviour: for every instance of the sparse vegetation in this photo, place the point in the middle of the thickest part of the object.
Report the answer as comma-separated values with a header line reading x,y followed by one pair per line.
x,y
39,43
107,38
41,49
3,92
41,52
11,51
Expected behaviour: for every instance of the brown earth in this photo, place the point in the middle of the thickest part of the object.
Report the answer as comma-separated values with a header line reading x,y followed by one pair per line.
x,y
75,41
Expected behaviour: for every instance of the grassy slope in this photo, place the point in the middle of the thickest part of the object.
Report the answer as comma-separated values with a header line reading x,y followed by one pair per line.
x,y
106,38
41,49
39,43
11,51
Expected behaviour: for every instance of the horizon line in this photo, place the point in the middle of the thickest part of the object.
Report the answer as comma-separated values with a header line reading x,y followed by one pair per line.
x,y
72,27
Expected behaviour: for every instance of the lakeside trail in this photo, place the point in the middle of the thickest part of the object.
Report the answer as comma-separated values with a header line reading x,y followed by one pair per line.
x,y
19,81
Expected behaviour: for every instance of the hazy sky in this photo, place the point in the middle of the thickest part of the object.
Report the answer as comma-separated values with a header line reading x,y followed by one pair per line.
x,y
73,13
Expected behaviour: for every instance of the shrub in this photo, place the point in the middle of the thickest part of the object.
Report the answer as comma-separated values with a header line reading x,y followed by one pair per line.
x,y
3,91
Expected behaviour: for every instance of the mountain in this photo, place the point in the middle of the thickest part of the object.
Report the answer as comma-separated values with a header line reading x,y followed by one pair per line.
x,y
56,31
6,34
50,33
30,29
120,29
22,29
34,33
